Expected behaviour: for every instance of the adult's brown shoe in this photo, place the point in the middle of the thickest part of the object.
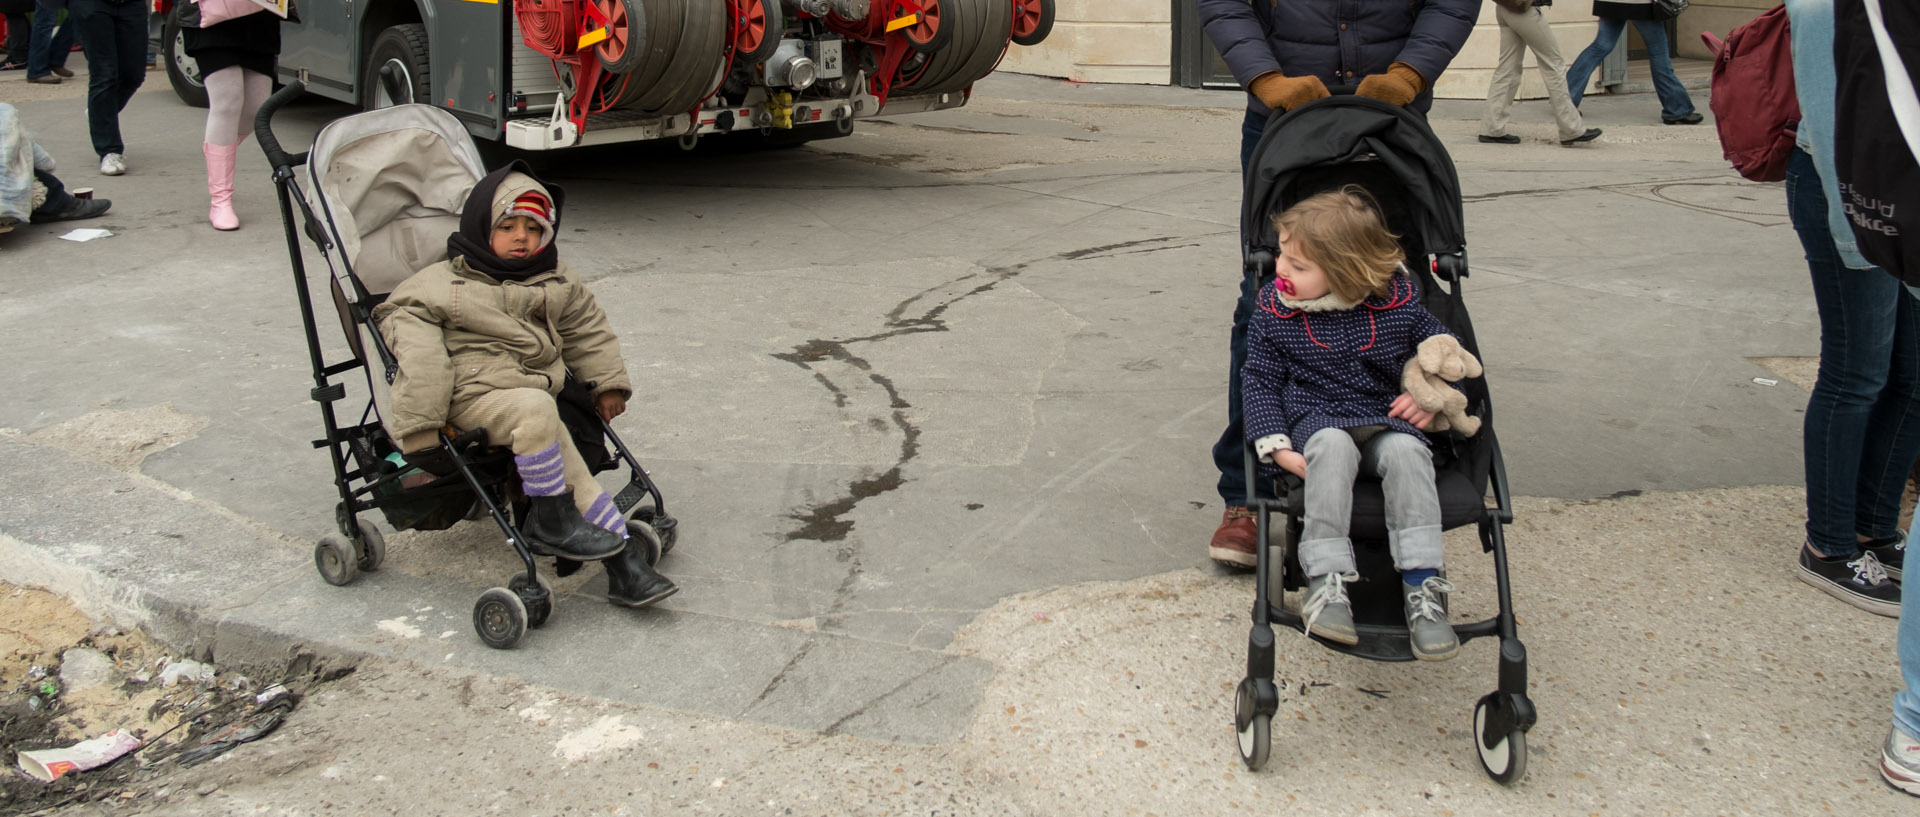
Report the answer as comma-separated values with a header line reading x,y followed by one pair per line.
x,y
1234,540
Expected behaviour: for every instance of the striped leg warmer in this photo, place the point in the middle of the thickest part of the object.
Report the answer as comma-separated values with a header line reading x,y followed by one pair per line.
x,y
603,513
541,472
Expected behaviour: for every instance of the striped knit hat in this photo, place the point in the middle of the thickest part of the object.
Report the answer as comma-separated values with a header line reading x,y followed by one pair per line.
x,y
534,205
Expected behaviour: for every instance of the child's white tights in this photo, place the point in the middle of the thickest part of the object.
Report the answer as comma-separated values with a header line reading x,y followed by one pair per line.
x,y
234,95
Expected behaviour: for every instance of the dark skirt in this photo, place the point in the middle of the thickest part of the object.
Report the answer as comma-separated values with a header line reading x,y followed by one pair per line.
x,y
251,42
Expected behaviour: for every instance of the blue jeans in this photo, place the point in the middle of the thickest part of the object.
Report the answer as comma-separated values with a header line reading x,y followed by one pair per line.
x,y
114,36
1674,101
1906,702
50,48
1862,430
1227,452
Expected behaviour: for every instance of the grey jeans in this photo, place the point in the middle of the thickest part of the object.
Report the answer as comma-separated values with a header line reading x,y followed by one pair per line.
x,y
1405,468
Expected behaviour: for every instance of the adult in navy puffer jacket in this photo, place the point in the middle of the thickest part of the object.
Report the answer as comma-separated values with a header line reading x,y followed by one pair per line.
x,y
1336,42
1313,366
1286,53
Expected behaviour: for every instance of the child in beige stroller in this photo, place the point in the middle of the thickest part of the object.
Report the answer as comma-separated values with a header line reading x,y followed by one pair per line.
x,y
500,373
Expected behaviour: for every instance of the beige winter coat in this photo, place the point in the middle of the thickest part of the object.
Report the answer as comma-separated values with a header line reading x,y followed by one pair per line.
x,y
459,333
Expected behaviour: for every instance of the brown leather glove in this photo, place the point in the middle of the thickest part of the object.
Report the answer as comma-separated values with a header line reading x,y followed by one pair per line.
x,y
1398,86
1284,93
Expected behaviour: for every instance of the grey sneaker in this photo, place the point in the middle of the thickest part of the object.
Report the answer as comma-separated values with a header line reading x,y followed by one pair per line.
x,y
1900,762
1329,615
1426,606
1859,581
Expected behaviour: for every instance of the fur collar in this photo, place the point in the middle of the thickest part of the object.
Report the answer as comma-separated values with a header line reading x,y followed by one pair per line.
x,y
1330,302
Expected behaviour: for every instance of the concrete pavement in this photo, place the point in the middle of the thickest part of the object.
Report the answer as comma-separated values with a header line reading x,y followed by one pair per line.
x,y
899,385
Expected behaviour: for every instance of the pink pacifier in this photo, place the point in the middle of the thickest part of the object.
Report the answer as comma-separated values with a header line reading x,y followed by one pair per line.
x,y
1286,286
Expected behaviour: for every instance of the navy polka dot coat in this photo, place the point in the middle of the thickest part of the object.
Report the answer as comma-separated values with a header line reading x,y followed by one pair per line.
x,y
1308,371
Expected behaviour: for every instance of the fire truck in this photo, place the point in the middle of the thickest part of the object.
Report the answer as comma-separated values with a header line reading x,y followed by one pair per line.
x,y
549,74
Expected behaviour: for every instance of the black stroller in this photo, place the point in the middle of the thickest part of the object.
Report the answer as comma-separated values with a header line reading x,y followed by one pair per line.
x,y
387,187
1392,153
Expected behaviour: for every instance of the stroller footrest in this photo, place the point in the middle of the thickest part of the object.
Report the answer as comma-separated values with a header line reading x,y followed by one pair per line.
x,y
329,393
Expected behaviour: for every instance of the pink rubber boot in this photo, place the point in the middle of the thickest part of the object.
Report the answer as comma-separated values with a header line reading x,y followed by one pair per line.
x,y
220,161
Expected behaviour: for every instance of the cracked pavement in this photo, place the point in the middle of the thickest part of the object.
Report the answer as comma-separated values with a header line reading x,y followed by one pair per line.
x,y
908,390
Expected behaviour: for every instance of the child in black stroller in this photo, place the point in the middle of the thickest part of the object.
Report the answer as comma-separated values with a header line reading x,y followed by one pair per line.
x,y
1352,333
500,372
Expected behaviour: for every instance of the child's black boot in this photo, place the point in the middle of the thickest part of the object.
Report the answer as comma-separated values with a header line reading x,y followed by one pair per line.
x,y
632,583
556,528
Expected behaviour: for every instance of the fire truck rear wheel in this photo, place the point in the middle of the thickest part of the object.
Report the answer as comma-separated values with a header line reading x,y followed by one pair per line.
x,y
183,73
397,69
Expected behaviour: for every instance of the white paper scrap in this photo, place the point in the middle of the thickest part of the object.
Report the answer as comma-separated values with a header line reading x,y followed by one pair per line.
x,y
87,234
1766,382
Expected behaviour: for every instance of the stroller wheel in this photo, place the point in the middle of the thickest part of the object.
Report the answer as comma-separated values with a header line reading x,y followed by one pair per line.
x,y
538,608
1254,728
500,618
373,547
1505,759
643,535
667,526
336,560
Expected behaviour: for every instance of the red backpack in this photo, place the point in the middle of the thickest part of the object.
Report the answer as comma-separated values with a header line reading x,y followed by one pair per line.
x,y
1754,105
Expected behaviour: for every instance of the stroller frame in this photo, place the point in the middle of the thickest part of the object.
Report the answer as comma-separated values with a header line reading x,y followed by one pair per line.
x,y
1436,252
358,452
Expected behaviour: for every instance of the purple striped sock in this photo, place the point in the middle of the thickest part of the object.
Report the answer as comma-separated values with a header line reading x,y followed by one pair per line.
x,y
603,513
541,472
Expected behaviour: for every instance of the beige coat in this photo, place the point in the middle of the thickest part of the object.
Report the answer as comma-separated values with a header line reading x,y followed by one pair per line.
x,y
458,333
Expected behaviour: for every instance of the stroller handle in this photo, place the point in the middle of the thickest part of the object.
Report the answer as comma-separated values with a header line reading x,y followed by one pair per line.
x,y
263,126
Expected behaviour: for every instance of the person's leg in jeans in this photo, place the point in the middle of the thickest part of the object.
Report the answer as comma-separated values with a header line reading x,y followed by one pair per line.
x,y
1506,76
1674,101
1583,65
48,52
1893,431
130,37
1227,451
1232,542
93,24
1900,758
1404,466
1857,310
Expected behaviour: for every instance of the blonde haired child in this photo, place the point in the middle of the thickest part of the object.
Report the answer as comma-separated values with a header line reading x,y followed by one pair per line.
x,y
1322,395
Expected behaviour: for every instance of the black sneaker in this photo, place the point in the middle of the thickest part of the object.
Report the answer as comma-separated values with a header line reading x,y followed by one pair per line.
x,y
1892,554
1688,119
1859,581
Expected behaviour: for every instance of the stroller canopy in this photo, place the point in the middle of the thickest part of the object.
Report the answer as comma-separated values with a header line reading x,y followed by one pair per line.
x,y
1356,140
391,184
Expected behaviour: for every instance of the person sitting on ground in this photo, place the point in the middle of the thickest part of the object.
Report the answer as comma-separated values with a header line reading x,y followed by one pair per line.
x,y
1329,340
486,339
29,192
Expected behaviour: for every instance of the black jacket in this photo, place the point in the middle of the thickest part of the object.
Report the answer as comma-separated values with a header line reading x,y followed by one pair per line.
x,y
1877,151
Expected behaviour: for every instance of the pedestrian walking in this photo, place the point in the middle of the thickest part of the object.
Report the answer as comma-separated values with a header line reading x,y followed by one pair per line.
x,y
19,29
236,57
1862,426
1523,26
1286,53
51,42
1676,106
113,33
